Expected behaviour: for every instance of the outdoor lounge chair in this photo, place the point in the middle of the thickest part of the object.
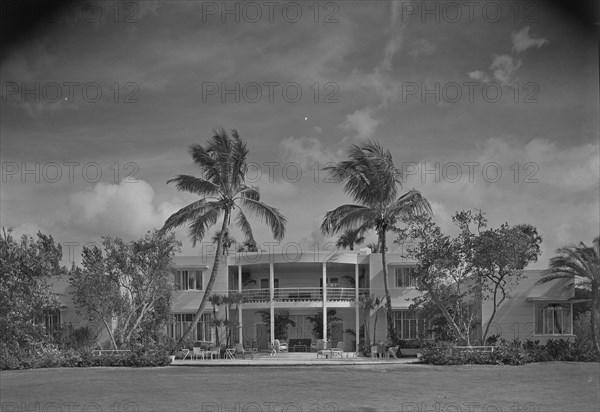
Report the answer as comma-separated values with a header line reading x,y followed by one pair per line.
x,y
240,352
392,351
322,349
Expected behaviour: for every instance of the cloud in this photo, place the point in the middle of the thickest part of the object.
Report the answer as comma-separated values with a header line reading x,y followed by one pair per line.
x,y
362,123
555,189
124,209
504,66
522,41
479,76
396,37
307,150
422,47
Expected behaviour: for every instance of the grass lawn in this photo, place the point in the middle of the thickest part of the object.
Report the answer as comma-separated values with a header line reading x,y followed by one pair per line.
x,y
557,386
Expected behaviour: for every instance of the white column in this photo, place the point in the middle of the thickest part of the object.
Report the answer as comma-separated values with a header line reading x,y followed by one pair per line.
x,y
272,299
356,305
325,301
240,338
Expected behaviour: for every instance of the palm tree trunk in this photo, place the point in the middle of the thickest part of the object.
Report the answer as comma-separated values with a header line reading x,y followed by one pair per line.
x,y
211,281
391,332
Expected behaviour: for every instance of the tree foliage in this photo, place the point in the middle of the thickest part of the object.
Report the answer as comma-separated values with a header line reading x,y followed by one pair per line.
x,y
126,285
581,262
282,321
27,266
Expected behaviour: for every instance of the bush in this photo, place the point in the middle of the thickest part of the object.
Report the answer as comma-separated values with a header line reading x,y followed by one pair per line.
x,y
51,357
446,353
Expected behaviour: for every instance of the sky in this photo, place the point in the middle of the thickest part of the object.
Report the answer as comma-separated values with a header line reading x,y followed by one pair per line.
x,y
483,105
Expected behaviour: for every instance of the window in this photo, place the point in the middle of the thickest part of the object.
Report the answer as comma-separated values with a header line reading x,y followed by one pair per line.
x,y
405,278
188,280
553,319
408,326
181,321
52,319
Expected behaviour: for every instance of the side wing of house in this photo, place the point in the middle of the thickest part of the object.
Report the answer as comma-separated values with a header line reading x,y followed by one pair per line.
x,y
533,311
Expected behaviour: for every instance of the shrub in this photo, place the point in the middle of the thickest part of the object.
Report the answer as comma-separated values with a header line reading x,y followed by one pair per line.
x,y
446,353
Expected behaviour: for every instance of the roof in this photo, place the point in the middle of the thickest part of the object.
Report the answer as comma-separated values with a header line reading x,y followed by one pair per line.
x,y
183,302
558,289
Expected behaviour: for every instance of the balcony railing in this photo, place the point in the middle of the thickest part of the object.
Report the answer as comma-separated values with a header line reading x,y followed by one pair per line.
x,y
299,294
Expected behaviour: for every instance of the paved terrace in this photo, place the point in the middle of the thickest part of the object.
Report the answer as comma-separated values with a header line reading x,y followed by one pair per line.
x,y
295,359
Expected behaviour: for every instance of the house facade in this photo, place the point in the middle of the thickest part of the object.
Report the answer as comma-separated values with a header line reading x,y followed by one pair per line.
x,y
308,285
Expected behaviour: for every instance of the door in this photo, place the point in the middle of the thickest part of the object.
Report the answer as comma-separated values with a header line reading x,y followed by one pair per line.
x,y
262,337
337,333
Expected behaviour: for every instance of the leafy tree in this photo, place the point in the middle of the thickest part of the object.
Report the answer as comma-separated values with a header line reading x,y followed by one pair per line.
x,y
372,180
129,283
95,291
223,191
282,321
443,271
317,323
26,268
581,262
350,238
499,258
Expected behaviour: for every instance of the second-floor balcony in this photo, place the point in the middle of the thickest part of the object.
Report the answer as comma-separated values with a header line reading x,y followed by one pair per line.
x,y
301,294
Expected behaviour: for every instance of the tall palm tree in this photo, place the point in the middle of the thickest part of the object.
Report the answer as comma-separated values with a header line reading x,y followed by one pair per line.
x,y
350,238
223,192
579,262
372,180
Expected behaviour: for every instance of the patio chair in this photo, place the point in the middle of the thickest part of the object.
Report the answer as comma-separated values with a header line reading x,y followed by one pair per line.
x,y
197,353
338,350
277,346
322,349
240,352
283,346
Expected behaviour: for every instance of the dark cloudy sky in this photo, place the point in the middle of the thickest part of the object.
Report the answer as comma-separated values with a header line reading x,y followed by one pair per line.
x,y
125,88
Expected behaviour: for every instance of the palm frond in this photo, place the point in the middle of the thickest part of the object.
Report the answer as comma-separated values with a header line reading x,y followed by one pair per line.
x,y
346,217
202,223
186,214
242,222
192,184
410,203
271,216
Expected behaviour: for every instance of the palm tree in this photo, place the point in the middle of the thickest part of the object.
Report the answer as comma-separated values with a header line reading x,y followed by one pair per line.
x,y
372,180
223,192
228,241
579,262
350,238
